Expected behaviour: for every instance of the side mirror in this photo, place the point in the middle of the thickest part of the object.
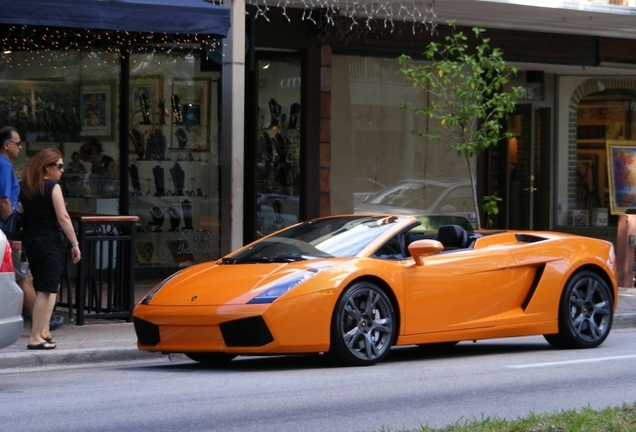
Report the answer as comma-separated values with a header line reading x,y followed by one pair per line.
x,y
421,248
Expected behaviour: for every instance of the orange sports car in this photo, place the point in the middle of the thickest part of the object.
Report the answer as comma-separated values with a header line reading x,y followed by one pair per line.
x,y
353,286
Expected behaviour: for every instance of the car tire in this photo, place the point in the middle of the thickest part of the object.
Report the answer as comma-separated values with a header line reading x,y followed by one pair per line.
x,y
585,312
363,326
210,358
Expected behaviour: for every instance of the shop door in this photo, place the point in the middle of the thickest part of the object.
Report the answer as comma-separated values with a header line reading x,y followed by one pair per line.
x,y
277,155
526,192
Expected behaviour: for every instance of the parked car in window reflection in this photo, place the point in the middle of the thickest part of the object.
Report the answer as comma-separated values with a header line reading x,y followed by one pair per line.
x,y
422,196
275,211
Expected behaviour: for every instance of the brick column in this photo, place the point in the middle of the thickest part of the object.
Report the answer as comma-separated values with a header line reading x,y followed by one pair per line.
x,y
325,130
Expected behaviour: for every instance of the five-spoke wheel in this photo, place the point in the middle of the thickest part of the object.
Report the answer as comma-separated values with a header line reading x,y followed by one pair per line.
x,y
585,312
364,325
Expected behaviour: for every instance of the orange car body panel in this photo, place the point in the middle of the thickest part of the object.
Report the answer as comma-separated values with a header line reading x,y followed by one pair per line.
x,y
502,286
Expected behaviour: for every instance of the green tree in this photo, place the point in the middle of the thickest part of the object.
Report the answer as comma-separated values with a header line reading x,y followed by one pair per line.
x,y
468,93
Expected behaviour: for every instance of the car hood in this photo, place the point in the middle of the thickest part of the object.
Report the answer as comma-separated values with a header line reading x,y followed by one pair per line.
x,y
221,284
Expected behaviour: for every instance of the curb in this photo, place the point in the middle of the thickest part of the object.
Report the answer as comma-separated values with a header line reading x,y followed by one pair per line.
x,y
76,357
624,320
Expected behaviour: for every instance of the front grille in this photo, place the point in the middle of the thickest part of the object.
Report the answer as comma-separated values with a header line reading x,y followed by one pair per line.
x,y
147,332
246,332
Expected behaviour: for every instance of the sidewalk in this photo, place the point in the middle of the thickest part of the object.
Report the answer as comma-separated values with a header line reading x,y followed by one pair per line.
x,y
105,340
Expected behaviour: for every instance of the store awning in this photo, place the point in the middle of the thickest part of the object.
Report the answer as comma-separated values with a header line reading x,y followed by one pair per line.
x,y
158,16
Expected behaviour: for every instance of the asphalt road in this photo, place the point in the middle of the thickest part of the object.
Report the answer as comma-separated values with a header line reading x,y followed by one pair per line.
x,y
499,378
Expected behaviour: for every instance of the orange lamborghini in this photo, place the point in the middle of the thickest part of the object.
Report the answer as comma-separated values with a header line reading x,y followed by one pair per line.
x,y
353,286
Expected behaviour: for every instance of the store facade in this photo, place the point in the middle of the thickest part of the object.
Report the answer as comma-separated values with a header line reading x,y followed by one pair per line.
x,y
141,119
565,169
129,93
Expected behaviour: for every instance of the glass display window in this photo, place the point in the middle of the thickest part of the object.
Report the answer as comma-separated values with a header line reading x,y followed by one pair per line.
x,y
174,160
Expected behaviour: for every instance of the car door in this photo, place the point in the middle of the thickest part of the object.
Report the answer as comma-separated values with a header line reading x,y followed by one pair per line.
x,y
457,290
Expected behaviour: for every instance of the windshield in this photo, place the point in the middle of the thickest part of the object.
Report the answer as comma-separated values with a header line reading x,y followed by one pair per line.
x,y
322,238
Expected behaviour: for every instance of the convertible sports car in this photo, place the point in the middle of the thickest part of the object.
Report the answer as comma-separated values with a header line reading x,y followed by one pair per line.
x,y
353,286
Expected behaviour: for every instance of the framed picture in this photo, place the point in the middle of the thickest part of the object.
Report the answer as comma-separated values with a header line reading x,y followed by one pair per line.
x,y
580,218
190,102
98,107
621,161
601,121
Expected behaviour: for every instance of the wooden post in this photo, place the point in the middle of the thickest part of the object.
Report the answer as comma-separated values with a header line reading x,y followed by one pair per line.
x,y
625,249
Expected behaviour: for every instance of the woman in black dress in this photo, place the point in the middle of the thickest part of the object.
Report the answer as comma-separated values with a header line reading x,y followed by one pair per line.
x,y
46,221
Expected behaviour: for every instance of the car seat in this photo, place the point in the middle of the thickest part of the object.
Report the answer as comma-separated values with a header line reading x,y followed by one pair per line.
x,y
452,237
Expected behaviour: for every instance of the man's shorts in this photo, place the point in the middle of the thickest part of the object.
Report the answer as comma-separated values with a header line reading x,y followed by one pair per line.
x,y
20,265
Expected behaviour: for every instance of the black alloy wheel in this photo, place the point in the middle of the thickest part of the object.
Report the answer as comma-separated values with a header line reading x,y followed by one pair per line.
x,y
585,312
363,326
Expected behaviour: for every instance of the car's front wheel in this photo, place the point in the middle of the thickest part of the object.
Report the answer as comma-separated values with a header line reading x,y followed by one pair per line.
x,y
585,312
210,358
363,326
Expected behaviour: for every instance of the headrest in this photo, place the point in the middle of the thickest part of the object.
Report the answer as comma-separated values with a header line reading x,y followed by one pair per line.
x,y
452,236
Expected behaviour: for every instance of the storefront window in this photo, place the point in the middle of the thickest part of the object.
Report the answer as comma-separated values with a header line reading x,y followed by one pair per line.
x,y
377,164
278,146
174,159
70,100
594,181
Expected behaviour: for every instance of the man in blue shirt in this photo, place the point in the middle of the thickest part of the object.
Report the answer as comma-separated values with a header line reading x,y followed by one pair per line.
x,y
9,193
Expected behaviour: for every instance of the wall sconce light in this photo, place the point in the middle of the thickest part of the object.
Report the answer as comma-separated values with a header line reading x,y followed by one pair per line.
x,y
265,64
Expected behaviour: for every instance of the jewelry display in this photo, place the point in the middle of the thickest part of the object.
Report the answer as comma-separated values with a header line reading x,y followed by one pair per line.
x,y
182,139
294,112
186,208
176,109
175,219
156,148
145,108
137,140
159,180
275,111
157,218
178,177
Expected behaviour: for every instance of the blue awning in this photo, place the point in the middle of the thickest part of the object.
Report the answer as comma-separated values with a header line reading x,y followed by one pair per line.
x,y
159,16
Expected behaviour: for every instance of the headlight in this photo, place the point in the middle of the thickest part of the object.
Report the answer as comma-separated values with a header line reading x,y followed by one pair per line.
x,y
156,289
281,286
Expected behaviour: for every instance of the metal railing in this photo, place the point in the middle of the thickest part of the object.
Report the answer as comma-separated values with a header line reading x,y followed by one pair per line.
x,y
105,276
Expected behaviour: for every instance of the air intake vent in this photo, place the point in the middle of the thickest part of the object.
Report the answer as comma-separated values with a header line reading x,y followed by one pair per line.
x,y
527,238
147,332
246,332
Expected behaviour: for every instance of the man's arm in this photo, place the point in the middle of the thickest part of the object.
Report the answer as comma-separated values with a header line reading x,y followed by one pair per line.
x,y
5,208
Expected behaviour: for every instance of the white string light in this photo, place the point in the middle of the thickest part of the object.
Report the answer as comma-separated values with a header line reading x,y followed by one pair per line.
x,y
356,14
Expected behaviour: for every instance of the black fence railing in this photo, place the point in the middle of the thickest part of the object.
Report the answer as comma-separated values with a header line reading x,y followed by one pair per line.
x,y
104,278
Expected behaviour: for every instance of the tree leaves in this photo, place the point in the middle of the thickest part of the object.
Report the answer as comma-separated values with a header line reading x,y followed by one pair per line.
x,y
468,94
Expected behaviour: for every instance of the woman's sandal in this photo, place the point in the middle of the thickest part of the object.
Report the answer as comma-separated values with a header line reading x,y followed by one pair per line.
x,y
42,346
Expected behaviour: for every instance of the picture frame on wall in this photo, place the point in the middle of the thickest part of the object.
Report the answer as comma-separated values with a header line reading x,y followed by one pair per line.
x,y
190,116
97,101
621,157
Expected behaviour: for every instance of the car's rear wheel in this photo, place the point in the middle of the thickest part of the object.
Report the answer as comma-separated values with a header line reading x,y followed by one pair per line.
x,y
210,358
585,312
363,326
